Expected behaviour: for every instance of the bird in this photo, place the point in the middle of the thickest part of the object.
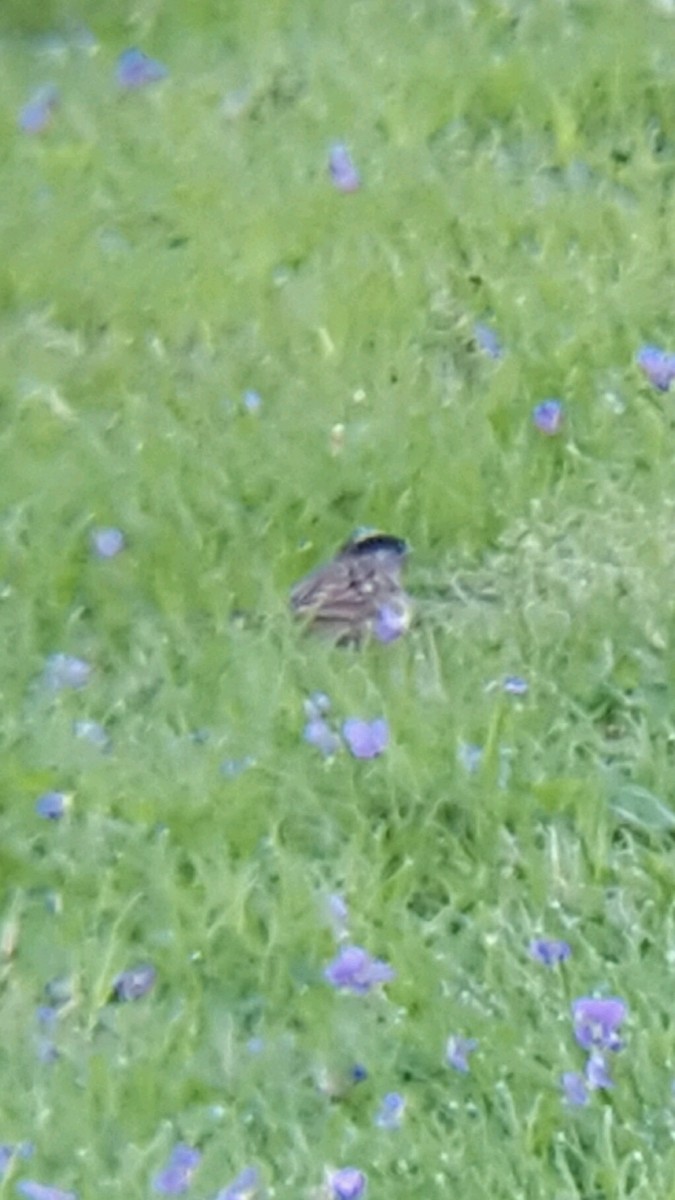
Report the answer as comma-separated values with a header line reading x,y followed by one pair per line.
x,y
359,592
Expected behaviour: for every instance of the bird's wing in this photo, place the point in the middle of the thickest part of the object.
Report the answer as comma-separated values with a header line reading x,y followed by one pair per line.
x,y
342,591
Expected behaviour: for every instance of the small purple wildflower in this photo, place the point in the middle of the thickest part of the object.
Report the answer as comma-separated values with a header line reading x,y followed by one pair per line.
x,y
457,1052
47,1015
135,983
549,951
107,543
355,970
52,805
176,1176
658,365
390,623
41,1191
358,1073
346,1184
597,1020
244,1187
597,1073
574,1089
36,116
342,170
391,1110
320,735
487,340
136,70
366,739
252,401
515,685
92,732
66,671
549,417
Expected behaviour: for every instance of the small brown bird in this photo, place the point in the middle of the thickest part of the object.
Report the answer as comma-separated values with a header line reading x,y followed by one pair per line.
x,y
359,592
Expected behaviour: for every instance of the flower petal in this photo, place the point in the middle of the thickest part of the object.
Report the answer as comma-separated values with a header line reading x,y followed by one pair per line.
x,y
355,970
366,739
342,170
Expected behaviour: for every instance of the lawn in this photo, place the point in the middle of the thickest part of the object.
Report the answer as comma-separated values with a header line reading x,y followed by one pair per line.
x,y
213,347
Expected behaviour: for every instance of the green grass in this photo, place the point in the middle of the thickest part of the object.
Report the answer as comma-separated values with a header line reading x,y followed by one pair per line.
x,y
167,250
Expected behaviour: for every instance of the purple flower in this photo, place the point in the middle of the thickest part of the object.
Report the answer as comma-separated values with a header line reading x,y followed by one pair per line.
x,y
596,1022
136,70
488,340
515,685
657,365
346,1184
41,1191
176,1176
107,543
390,1113
342,171
390,623
52,805
574,1088
549,417
320,735
597,1074
457,1052
36,115
134,983
366,739
47,1015
549,951
355,970
66,671
244,1187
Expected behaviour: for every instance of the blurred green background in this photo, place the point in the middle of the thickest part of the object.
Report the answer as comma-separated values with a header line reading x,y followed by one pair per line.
x,y
168,250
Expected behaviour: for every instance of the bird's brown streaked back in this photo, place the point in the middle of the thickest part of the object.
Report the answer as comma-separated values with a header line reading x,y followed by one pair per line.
x,y
345,597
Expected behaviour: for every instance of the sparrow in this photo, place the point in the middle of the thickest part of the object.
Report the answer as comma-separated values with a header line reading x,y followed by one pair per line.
x,y
358,593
